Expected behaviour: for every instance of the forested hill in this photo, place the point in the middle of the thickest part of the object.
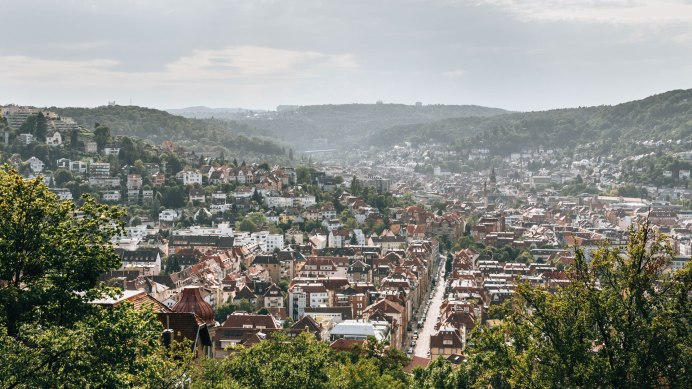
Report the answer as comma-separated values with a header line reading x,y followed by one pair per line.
x,y
338,126
158,126
608,129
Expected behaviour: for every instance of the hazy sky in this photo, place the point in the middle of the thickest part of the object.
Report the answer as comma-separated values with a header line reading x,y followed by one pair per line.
x,y
514,54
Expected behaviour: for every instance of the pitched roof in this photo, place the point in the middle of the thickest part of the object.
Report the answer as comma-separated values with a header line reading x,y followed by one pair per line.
x,y
245,294
140,299
417,361
185,325
241,319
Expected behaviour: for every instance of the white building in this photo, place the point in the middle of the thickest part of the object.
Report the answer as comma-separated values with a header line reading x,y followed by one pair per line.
x,y
219,203
35,164
191,178
54,139
79,167
112,196
301,296
26,139
307,201
111,150
359,330
169,215
278,201
266,241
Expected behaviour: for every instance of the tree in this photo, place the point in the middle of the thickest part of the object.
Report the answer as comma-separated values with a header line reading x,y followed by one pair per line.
x,y
74,139
172,264
257,197
50,259
356,186
51,255
62,176
102,135
282,362
128,152
174,197
438,375
246,225
41,127
622,322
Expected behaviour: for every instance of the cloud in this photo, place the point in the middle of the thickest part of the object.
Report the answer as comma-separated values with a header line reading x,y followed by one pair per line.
x,y
517,54
229,63
454,73
610,11
235,62
251,70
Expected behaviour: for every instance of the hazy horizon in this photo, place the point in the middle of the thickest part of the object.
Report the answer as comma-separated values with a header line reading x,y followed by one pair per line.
x,y
519,55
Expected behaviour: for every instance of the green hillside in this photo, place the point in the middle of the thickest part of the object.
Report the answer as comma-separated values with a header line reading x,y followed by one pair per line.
x,y
613,129
339,126
158,126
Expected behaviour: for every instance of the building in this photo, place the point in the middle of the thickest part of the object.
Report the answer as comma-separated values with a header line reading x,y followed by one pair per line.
x,y
305,295
169,215
35,164
146,261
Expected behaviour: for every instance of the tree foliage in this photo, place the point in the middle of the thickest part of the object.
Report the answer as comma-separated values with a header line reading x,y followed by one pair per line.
x,y
622,322
51,253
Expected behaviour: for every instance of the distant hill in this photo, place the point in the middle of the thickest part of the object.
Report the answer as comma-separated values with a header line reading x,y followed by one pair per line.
x,y
201,112
347,125
610,129
158,126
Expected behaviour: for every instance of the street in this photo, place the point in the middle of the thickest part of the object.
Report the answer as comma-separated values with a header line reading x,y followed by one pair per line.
x,y
423,343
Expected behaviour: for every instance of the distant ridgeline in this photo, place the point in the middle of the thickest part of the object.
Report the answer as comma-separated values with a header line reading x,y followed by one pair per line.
x,y
342,126
624,129
159,126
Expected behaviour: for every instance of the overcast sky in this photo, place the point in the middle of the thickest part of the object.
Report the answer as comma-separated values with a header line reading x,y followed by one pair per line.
x,y
513,54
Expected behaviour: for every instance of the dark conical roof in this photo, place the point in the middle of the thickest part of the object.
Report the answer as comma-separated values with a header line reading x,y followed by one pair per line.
x,y
192,301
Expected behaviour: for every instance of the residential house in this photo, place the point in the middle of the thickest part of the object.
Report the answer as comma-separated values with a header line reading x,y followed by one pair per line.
x,y
35,164
241,328
54,138
147,261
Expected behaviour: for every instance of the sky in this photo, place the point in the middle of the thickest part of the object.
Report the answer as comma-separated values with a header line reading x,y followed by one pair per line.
x,y
521,55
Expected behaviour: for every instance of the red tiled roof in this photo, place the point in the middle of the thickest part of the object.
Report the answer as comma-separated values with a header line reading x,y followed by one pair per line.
x,y
417,361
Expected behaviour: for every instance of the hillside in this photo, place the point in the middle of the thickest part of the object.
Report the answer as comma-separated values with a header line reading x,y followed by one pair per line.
x,y
158,126
340,126
201,112
612,129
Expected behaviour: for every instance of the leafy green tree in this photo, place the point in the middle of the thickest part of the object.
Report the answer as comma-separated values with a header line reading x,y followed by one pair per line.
x,y
128,152
172,264
283,285
438,375
246,225
365,374
50,259
74,139
62,176
51,255
41,127
36,125
622,322
102,135
174,197
109,347
282,362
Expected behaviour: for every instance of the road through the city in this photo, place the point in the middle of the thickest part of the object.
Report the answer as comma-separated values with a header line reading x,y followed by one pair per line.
x,y
423,344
